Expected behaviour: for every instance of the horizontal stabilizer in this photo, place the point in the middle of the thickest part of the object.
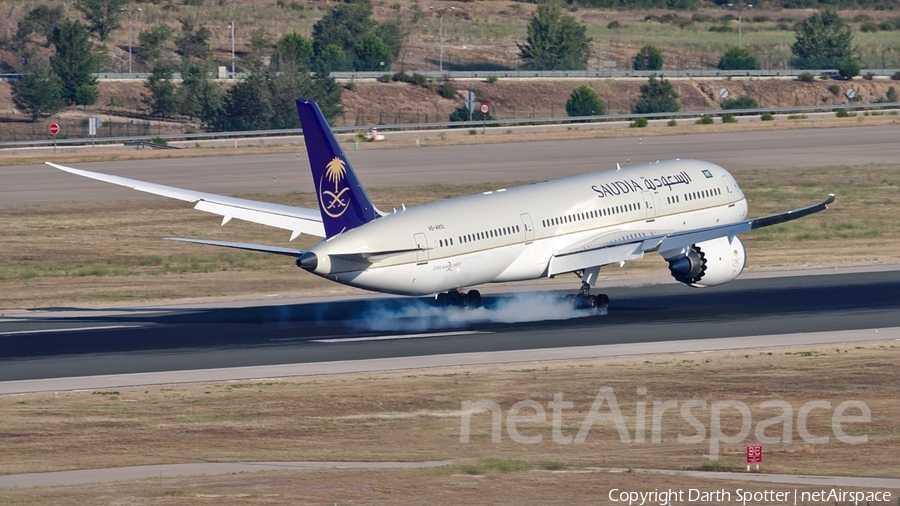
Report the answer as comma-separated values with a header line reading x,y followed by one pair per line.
x,y
239,245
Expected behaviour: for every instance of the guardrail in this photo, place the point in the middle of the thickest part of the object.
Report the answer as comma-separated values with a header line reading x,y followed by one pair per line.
x,y
460,124
546,74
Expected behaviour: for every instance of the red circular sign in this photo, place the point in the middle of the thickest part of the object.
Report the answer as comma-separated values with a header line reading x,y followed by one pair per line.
x,y
54,128
485,108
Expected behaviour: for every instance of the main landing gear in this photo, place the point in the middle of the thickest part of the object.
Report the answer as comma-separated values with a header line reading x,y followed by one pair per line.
x,y
584,299
454,298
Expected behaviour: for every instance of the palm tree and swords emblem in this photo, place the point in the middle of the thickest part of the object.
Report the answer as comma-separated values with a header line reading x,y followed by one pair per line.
x,y
336,205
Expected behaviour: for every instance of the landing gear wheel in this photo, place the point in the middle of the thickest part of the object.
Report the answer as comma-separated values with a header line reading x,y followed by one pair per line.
x,y
603,301
592,302
441,300
570,298
464,301
474,298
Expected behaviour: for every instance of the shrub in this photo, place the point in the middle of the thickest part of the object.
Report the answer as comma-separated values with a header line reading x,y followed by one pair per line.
x,y
491,79
159,140
419,79
706,119
638,123
447,90
842,113
738,58
614,25
386,78
766,116
672,122
400,76
849,67
896,76
834,89
742,102
824,76
728,118
797,116
654,59
891,95
868,26
806,77
351,86
869,76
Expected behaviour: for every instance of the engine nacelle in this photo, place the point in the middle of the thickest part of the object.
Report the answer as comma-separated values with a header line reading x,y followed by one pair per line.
x,y
710,263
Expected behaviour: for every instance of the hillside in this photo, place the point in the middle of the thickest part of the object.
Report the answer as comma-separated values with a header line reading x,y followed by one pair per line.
x,y
373,102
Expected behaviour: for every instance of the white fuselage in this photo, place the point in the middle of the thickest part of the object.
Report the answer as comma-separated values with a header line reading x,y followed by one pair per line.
x,y
512,234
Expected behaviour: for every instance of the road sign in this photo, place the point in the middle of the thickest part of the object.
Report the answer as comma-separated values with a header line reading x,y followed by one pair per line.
x,y
485,109
850,93
723,93
54,128
754,455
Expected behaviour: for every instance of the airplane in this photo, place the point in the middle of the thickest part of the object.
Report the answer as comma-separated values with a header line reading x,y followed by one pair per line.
x,y
687,211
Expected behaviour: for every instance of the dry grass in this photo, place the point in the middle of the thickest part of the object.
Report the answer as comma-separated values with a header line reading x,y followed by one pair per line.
x,y
113,252
413,415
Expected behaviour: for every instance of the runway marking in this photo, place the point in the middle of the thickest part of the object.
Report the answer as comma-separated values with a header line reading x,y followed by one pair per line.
x,y
398,336
75,329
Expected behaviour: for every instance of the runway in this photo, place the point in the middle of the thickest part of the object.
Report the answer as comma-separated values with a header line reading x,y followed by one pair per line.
x,y
522,161
86,343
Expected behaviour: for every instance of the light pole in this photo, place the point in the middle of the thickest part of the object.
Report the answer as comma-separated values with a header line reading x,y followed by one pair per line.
x,y
441,17
231,25
740,10
130,13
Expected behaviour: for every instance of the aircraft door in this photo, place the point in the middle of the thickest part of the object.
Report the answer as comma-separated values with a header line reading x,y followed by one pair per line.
x,y
422,245
648,206
729,188
529,228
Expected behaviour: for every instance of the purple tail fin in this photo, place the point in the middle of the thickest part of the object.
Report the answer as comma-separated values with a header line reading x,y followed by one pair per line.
x,y
342,200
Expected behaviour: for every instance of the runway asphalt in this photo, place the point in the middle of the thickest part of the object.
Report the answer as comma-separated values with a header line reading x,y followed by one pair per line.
x,y
140,341
279,173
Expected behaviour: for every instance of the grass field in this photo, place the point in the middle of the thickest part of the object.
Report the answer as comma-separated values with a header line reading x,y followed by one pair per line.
x,y
414,415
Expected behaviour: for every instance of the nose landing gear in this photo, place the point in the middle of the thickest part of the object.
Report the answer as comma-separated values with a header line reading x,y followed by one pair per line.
x,y
455,298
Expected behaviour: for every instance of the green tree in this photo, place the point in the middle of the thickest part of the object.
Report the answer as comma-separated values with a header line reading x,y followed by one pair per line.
x,y
649,58
86,95
891,95
198,96
75,60
657,95
738,58
265,99
849,67
555,41
152,41
742,102
194,41
41,20
371,54
162,100
38,93
331,59
392,34
292,49
823,41
103,16
584,102
343,26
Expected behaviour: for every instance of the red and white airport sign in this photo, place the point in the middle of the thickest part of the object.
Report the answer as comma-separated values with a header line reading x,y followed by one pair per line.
x,y
485,108
754,455
54,128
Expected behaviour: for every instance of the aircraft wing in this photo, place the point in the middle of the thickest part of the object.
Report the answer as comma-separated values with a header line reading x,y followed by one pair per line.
x,y
244,246
296,219
621,246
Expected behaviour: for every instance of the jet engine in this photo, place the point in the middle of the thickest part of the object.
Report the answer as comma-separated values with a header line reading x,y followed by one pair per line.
x,y
710,263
